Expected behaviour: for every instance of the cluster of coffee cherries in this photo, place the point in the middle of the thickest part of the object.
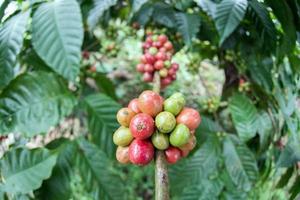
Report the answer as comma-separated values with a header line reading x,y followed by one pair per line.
x,y
158,51
151,123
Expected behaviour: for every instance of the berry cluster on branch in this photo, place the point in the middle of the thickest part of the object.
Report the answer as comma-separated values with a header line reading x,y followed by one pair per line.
x,y
151,123
158,52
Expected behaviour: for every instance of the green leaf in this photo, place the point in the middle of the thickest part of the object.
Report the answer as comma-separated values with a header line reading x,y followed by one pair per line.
x,y
240,163
229,14
295,189
144,15
58,186
207,6
244,116
24,170
208,125
284,180
57,36
263,18
137,4
11,41
188,25
290,154
265,129
102,121
200,166
164,14
3,7
206,190
106,85
33,102
97,171
99,7
285,16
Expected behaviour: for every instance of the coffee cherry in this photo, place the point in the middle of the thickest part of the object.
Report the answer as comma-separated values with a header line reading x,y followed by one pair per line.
x,y
149,40
122,155
157,44
190,145
165,122
143,59
150,59
190,117
166,81
142,126
124,116
122,136
159,65
171,72
168,45
180,135
184,151
175,66
148,68
133,105
178,96
148,77
141,152
153,50
162,38
162,49
172,154
160,140
163,73
173,105
140,67
150,102
167,64
161,56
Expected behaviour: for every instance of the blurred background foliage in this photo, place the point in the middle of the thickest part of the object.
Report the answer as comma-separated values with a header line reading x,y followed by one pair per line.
x,y
63,80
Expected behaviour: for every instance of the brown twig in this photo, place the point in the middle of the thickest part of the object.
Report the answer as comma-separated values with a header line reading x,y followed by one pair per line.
x,y
161,167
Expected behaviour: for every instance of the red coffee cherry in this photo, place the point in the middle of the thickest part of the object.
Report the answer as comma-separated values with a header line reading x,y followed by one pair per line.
x,y
141,152
190,117
172,154
133,105
148,77
142,126
140,67
150,102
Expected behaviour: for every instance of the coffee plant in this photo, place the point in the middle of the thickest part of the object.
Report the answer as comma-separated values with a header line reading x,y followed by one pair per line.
x,y
69,79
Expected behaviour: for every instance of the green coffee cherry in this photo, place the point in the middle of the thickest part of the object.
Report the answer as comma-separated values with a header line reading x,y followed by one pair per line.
x,y
173,105
122,136
165,122
179,96
160,140
180,135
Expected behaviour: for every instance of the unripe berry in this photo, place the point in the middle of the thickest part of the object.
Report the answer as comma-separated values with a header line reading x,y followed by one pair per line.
x,y
122,155
180,135
160,140
124,116
153,50
165,122
163,73
122,136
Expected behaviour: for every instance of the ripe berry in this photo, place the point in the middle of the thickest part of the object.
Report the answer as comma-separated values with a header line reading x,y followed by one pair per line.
x,y
148,68
161,56
168,45
163,73
122,155
180,135
140,67
162,49
190,145
173,154
124,116
147,77
190,117
160,141
171,72
165,122
166,81
143,59
133,105
149,40
175,66
159,65
142,126
149,58
162,38
86,54
122,136
141,152
157,44
150,102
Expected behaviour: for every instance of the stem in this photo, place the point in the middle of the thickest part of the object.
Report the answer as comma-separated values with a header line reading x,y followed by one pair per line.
x,y
161,167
